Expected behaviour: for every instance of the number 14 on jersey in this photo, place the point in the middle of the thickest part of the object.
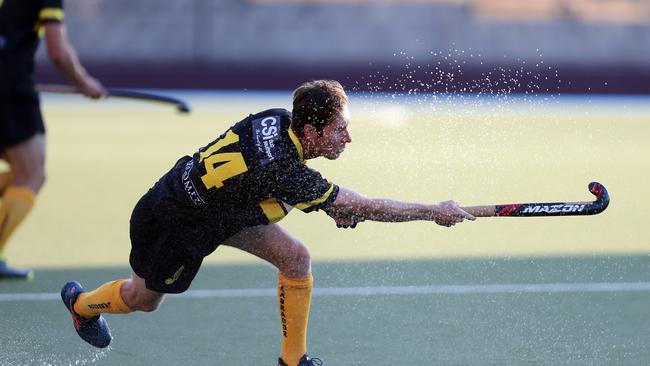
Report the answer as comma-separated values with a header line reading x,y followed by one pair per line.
x,y
220,166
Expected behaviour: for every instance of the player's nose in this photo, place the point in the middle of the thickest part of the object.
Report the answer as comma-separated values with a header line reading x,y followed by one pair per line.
x,y
347,137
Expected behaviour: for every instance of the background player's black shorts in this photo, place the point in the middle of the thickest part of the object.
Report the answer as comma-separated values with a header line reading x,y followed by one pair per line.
x,y
20,118
161,248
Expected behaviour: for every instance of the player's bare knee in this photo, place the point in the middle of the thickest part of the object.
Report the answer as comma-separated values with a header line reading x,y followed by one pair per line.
x,y
303,259
149,305
299,263
145,303
29,174
137,298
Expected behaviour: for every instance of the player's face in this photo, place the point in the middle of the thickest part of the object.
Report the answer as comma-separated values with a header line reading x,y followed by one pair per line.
x,y
335,136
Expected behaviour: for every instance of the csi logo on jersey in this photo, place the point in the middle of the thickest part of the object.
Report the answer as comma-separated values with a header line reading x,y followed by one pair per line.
x,y
266,132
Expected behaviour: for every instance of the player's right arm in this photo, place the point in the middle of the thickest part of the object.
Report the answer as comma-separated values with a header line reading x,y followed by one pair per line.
x,y
64,57
349,203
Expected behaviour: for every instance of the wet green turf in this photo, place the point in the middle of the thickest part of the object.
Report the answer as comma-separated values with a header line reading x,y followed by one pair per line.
x,y
572,328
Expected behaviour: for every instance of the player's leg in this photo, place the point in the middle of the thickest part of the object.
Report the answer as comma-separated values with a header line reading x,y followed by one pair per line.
x,y
5,270
22,141
27,163
275,245
116,297
152,256
138,297
5,179
26,177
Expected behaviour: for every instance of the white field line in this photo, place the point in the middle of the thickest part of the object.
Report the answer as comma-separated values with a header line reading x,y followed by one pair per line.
x,y
531,288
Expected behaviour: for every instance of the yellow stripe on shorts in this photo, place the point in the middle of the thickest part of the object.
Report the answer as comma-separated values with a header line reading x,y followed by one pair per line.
x,y
273,210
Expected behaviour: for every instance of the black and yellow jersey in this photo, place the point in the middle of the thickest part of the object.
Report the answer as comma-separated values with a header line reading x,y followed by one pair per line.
x,y
253,174
21,22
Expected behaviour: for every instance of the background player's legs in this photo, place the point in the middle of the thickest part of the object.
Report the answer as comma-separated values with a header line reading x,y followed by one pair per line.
x,y
275,245
26,161
6,177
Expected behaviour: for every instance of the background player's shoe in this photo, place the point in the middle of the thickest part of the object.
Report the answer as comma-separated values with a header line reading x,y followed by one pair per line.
x,y
93,330
304,361
7,272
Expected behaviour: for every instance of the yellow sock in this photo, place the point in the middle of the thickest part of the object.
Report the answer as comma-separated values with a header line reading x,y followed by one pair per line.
x,y
105,299
16,203
294,298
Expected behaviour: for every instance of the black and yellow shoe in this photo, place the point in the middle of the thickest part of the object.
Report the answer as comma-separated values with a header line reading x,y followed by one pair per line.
x,y
304,361
11,273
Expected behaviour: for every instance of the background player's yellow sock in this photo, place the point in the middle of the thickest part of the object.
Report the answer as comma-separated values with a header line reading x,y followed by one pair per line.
x,y
16,203
105,299
294,299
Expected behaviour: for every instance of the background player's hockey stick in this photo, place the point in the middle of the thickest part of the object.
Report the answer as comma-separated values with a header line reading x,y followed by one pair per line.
x,y
180,105
549,208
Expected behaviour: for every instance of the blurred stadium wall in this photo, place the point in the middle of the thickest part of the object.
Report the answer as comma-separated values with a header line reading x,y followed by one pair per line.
x,y
594,45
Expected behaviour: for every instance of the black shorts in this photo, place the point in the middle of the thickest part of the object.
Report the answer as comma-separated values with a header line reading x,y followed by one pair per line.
x,y
161,248
20,118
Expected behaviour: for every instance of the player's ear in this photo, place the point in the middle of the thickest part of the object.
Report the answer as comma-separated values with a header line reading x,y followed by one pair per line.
x,y
309,131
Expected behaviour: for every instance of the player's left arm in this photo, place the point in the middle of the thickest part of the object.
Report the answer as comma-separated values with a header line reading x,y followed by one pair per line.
x,y
353,206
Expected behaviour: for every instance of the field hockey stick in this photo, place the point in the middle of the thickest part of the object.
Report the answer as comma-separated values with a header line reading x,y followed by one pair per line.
x,y
547,208
180,105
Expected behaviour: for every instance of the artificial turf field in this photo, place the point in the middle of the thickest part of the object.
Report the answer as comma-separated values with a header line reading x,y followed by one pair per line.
x,y
499,291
